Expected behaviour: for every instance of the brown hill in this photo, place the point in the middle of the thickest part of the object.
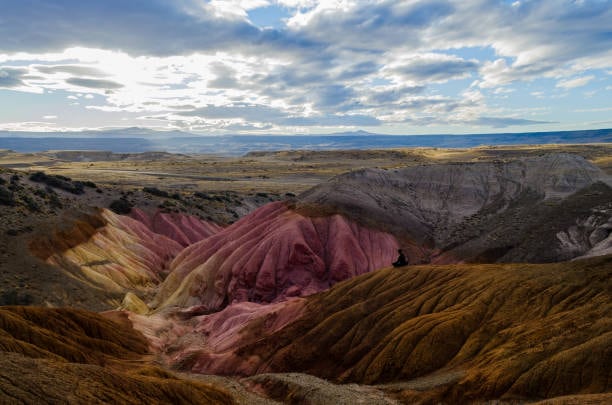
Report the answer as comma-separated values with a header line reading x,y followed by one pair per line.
x,y
515,331
75,356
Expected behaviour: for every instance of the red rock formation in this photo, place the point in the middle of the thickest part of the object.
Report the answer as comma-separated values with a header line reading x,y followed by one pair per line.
x,y
185,229
272,254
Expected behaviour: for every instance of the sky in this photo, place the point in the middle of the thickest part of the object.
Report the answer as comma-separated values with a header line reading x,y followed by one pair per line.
x,y
306,66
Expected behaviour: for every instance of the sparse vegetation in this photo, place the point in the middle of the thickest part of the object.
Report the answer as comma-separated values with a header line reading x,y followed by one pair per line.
x,y
6,197
156,192
13,297
57,181
31,203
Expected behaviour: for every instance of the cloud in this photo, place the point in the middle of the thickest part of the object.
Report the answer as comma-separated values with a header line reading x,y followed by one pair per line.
x,y
251,113
156,27
391,94
94,83
370,62
356,120
502,122
372,25
12,77
576,82
432,67
75,70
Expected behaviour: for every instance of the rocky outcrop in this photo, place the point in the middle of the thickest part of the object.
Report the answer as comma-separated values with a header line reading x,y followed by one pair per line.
x,y
591,236
441,207
270,255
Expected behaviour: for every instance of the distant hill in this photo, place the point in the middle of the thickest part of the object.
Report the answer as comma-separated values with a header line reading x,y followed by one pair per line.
x,y
534,209
143,140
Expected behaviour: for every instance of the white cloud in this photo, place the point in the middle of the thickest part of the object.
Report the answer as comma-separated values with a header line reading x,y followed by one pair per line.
x,y
576,82
235,8
342,61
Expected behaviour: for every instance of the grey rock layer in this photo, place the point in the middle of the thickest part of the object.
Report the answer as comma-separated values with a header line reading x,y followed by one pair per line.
x,y
445,205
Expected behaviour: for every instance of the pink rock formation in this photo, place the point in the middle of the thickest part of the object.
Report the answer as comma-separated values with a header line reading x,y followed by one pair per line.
x,y
185,229
272,254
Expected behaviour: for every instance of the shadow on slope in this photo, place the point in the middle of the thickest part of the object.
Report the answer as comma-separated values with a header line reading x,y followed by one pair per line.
x,y
75,356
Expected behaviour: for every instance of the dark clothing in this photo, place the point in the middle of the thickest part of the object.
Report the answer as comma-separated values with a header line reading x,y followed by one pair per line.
x,y
401,261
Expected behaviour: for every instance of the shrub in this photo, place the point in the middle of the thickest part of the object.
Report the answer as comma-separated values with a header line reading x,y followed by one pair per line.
x,y
57,181
121,206
54,201
31,203
156,191
6,197
12,297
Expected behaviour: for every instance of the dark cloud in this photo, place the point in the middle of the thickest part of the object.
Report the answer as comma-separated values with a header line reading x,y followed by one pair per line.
x,y
444,104
137,26
393,95
247,112
501,122
247,127
435,69
12,77
75,70
333,95
357,120
376,26
359,70
94,83
225,77
268,115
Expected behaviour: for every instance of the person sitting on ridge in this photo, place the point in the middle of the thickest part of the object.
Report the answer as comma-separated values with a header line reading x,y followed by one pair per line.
x,y
401,259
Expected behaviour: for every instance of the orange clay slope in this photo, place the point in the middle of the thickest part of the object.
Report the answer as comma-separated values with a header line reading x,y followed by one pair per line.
x,y
509,331
75,356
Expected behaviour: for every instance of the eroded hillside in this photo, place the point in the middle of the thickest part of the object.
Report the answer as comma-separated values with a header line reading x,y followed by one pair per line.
x,y
510,331
478,212
302,286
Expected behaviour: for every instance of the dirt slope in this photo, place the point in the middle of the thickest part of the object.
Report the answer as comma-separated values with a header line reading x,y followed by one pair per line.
x,y
507,331
73,356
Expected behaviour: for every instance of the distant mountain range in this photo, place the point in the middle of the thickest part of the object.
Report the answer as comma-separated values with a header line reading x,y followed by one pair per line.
x,y
143,140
